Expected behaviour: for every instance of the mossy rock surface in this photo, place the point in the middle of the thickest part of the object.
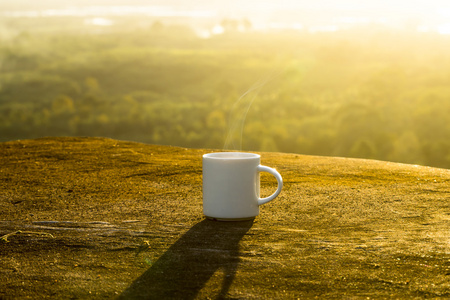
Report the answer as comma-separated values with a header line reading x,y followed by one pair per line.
x,y
89,218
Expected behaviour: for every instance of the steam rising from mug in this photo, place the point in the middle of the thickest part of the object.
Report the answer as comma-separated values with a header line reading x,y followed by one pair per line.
x,y
239,112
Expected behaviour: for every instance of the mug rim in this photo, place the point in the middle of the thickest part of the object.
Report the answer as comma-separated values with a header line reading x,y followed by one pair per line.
x,y
231,155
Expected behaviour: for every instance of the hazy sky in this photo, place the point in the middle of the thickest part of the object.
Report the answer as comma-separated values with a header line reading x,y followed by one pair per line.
x,y
265,6
377,8
423,12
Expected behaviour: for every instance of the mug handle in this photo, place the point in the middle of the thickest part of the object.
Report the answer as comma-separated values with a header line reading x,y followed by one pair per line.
x,y
277,175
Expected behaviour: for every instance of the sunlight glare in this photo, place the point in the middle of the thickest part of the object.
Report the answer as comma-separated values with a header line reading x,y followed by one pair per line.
x,y
444,28
218,29
99,22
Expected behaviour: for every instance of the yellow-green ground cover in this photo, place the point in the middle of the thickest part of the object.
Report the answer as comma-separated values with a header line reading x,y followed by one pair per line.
x,y
101,218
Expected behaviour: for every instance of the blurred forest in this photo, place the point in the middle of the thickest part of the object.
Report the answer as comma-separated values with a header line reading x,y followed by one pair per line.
x,y
367,92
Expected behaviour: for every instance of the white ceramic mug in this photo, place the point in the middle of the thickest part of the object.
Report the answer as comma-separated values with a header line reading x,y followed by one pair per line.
x,y
231,185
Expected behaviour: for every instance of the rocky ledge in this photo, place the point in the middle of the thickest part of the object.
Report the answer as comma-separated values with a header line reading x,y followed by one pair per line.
x,y
100,218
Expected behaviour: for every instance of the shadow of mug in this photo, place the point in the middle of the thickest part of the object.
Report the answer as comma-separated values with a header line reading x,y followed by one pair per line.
x,y
184,269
